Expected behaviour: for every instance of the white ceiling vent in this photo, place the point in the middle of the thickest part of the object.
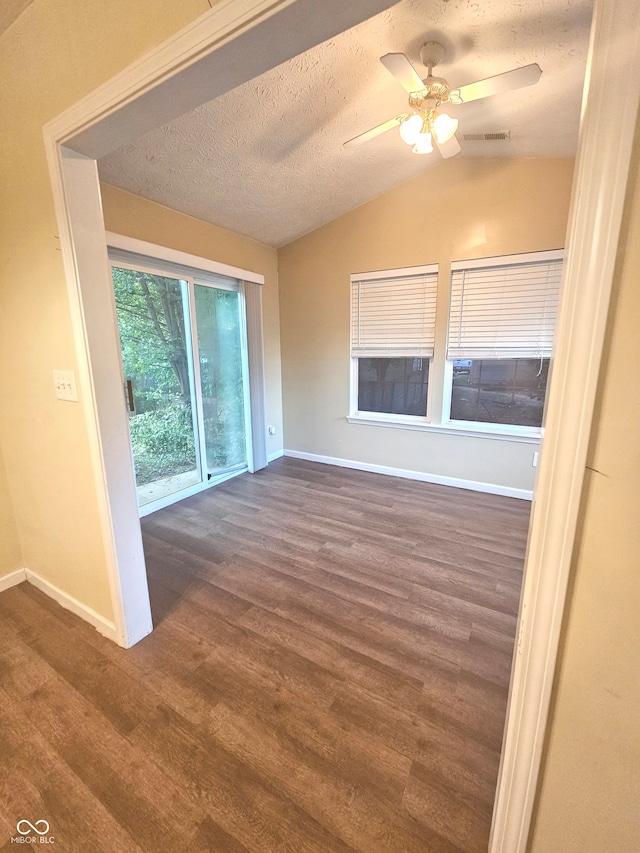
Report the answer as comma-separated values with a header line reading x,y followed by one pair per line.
x,y
497,136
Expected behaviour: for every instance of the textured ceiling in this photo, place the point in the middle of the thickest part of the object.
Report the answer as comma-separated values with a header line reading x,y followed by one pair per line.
x,y
266,160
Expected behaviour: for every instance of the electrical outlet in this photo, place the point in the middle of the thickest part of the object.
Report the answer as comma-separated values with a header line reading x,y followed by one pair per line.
x,y
65,385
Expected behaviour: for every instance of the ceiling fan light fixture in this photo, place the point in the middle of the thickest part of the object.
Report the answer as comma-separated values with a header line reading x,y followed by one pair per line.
x,y
410,129
423,145
428,98
444,127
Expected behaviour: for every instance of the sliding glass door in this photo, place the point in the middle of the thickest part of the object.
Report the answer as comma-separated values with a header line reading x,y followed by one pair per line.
x,y
184,355
221,366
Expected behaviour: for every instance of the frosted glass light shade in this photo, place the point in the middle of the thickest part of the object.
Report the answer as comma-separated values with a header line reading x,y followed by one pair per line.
x,y
410,128
423,145
444,127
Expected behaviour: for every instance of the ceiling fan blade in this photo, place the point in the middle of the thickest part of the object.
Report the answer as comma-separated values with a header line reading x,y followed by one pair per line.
x,y
516,79
403,71
449,148
375,131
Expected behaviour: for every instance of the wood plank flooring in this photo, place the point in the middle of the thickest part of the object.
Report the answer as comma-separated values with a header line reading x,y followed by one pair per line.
x,y
328,673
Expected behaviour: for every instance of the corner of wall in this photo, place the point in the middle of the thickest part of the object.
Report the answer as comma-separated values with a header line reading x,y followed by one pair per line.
x,y
11,557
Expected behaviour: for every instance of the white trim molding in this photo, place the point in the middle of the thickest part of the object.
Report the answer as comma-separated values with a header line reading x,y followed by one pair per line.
x,y
612,94
13,579
103,626
163,253
437,479
90,291
469,429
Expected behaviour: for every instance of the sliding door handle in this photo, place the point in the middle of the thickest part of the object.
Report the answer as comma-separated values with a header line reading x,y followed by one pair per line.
x,y
131,400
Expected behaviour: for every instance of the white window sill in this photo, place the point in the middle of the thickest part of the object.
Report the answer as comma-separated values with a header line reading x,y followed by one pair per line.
x,y
527,435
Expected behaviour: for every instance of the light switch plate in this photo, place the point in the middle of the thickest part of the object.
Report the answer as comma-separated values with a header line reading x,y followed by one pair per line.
x,y
65,385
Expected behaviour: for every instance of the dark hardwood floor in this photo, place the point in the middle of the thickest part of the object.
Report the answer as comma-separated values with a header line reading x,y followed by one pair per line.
x,y
328,672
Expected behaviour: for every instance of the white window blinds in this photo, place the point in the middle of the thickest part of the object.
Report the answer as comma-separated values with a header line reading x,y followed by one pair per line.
x,y
505,310
393,313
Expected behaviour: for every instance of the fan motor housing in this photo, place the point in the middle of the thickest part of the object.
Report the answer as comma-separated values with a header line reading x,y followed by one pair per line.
x,y
437,88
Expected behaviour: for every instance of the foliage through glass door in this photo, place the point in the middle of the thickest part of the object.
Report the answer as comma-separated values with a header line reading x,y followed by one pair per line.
x,y
181,407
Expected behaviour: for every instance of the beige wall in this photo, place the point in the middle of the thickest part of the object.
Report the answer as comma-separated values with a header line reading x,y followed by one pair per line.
x,y
459,209
59,51
135,217
590,792
10,550
55,53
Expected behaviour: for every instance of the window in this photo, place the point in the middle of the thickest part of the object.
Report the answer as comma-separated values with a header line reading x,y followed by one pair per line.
x,y
392,339
486,369
500,338
395,385
499,390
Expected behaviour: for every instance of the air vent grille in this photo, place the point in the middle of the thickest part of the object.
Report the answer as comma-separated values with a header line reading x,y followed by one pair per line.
x,y
497,136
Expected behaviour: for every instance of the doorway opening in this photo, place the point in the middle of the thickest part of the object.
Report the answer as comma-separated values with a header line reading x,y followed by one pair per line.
x,y
76,139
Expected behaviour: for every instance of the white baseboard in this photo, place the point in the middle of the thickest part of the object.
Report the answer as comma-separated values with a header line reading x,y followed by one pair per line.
x,y
103,626
276,455
13,579
488,488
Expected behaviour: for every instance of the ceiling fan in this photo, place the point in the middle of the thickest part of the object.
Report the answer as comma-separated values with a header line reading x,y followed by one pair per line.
x,y
427,119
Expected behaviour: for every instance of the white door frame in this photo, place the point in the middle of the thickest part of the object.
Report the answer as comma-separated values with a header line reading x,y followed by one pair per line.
x,y
234,42
608,122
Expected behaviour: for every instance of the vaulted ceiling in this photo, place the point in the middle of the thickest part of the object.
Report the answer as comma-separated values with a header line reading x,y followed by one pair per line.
x,y
266,160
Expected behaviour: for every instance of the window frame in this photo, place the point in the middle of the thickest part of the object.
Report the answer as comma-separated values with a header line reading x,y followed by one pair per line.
x,y
497,430
388,418
437,417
